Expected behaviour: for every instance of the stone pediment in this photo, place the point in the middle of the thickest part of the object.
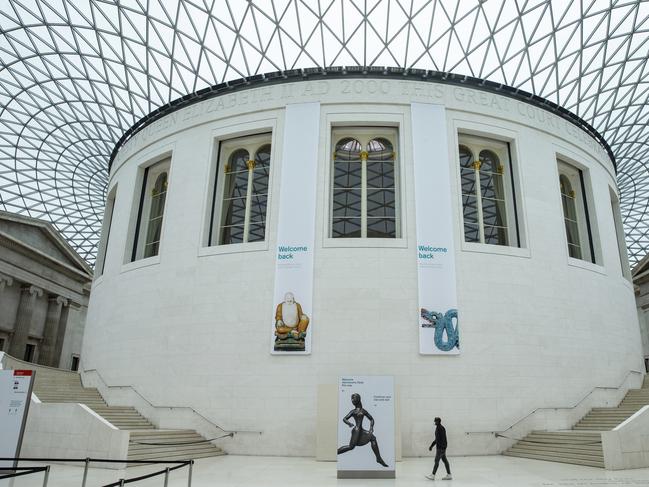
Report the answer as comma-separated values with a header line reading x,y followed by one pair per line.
x,y
41,237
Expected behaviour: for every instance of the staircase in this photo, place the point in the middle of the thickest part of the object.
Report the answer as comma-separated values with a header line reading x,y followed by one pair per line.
x,y
54,385
583,444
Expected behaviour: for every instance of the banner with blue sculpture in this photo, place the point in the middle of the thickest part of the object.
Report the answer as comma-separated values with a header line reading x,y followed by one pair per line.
x,y
438,314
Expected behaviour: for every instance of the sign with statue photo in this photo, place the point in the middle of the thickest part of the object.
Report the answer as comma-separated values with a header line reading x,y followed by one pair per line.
x,y
438,313
366,429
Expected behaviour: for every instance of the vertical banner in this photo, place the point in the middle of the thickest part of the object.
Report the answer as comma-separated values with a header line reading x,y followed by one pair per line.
x,y
366,446
438,314
293,297
15,395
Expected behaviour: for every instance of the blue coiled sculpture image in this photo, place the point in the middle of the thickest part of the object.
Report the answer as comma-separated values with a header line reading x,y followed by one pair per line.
x,y
443,322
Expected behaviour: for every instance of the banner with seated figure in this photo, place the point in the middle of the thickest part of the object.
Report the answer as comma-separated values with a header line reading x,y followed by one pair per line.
x,y
293,296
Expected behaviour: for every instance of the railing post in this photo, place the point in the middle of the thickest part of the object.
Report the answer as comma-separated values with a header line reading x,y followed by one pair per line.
x,y
166,477
46,477
189,474
121,482
85,472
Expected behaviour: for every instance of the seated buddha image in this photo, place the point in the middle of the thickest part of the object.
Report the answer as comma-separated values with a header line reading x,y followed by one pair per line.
x,y
290,325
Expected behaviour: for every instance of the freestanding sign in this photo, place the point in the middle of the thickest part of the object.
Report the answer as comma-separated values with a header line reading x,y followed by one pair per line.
x,y
292,308
15,394
366,447
438,314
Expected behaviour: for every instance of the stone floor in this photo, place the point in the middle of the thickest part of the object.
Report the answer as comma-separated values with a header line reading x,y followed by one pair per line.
x,y
244,471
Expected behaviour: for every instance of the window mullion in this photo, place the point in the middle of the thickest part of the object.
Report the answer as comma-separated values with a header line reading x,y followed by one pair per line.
x,y
246,219
364,194
478,195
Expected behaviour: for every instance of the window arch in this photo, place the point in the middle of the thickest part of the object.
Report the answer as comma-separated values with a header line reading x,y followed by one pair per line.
x,y
488,203
363,194
576,218
148,232
570,216
156,212
243,195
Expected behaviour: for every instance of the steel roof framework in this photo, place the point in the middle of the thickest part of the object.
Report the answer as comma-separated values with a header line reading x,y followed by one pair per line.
x,y
76,74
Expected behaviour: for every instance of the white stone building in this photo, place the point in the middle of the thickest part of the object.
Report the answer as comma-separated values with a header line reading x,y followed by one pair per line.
x,y
184,302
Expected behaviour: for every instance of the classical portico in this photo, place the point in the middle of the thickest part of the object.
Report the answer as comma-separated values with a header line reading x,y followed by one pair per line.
x,y
44,289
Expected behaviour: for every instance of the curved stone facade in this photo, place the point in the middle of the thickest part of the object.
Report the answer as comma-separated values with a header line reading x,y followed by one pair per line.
x,y
541,324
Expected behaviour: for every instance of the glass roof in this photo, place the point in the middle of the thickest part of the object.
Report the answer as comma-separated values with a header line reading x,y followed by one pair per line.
x,y
76,74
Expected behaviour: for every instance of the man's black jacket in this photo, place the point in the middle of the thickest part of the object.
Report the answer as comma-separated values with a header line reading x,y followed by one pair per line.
x,y
440,438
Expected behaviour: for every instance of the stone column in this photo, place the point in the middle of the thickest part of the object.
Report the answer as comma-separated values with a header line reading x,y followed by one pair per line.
x,y
51,332
28,295
60,336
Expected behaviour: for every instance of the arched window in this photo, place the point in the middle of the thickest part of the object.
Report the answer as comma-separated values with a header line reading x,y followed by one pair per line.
x,y
570,216
363,195
148,231
579,237
494,213
156,212
244,191
488,203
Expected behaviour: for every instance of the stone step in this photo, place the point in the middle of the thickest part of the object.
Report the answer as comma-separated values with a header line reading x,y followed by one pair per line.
x,y
567,448
568,434
117,408
65,387
180,455
135,449
158,436
558,459
576,439
121,414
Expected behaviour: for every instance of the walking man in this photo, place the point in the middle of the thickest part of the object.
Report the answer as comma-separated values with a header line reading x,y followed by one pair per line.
x,y
440,454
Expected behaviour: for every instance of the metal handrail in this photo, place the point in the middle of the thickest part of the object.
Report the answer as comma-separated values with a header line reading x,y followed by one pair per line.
x,y
497,433
26,471
88,461
168,407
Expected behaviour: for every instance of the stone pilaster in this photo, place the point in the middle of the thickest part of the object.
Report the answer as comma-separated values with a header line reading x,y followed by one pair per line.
x,y
50,335
60,336
28,296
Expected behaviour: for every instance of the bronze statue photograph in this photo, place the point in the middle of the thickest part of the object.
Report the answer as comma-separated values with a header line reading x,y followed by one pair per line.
x,y
360,436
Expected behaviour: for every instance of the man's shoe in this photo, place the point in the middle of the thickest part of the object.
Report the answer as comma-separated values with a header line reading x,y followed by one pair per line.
x,y
447,477
430,477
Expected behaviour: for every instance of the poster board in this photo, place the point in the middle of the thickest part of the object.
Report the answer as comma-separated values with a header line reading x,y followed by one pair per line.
x,y
15,395
363,451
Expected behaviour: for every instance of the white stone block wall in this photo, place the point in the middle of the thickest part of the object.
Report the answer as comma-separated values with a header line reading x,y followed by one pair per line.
x,y
191,327
627,445
68,430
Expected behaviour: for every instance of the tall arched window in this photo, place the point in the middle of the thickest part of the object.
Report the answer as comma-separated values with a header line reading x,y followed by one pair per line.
x,y
148,232
488,203
154,227
363,194
570,217
576,217
245,165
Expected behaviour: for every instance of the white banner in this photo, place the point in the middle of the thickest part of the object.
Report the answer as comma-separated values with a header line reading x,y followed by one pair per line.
x,y
366,447
438,314
293,303
15,394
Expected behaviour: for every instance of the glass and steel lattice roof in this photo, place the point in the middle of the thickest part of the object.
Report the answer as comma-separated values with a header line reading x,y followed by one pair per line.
x,y
75,75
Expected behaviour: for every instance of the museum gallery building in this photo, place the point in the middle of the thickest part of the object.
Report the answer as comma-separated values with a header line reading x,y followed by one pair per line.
x,y
265,237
